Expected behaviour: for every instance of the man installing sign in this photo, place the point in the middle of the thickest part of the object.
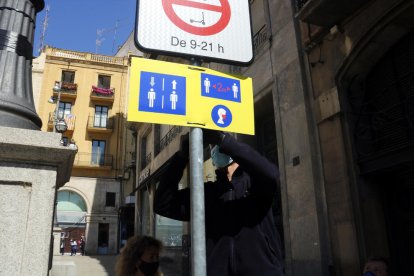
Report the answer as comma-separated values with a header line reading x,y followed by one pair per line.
x,y
241,237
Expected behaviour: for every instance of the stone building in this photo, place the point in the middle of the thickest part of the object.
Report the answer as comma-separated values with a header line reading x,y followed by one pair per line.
x,y
333,92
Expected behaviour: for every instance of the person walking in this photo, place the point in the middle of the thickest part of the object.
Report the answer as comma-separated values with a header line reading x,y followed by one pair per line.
x,y
241,236
82,245
73,246
62,243
139,257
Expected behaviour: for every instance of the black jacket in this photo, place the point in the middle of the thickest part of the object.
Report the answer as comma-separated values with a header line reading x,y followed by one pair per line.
x,y
241,237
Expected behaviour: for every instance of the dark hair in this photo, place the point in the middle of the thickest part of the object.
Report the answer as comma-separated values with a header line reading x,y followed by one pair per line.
x,y
378,259
132,252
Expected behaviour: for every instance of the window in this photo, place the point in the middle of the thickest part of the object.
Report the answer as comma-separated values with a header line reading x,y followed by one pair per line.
x,y
64,109
143,151
101,116
68,76
157,139
98,152
70,210
70,201
145,213
170,231
104,81
110,199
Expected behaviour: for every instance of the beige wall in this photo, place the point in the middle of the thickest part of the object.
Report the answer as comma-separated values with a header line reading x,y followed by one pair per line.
x,y
37,77
87,71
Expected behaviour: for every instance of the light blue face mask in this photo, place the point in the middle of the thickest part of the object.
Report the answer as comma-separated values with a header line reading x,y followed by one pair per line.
x,y
220,160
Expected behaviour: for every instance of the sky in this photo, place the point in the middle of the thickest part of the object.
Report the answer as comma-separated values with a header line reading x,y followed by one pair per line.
x,y
95,26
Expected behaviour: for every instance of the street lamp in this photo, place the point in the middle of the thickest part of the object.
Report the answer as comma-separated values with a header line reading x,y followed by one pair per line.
x,y
60,125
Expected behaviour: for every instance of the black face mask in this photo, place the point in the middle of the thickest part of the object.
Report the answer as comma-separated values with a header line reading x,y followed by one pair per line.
x,y
149,269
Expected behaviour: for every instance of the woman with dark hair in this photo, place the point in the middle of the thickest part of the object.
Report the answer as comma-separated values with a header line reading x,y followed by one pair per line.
x,y
376,266
139,257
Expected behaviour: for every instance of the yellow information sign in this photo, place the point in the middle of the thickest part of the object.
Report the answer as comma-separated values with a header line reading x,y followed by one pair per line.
x,y
178,94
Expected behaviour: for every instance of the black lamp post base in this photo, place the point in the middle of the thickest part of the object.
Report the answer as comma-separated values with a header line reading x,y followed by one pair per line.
x,y
9,119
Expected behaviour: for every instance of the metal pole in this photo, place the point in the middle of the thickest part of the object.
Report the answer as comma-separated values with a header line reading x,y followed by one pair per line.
x,y
198,238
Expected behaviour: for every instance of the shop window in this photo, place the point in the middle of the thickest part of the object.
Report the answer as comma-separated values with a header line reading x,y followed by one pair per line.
x,y
170,231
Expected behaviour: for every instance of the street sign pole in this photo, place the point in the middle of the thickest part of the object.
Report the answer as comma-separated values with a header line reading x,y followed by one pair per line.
x,y
198,237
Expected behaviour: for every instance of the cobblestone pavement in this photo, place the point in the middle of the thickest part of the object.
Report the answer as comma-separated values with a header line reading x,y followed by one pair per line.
x,y
104,265
88,265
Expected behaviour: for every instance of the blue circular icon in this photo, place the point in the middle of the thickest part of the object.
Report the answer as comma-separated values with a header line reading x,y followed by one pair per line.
x,y
221,116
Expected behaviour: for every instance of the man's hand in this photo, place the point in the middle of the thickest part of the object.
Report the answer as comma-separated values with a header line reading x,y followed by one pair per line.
x,y
212,137
185,146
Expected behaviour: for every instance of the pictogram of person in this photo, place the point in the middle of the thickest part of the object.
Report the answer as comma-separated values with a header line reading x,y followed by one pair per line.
x,y
173,100
222,115
151,97
207,85
235,89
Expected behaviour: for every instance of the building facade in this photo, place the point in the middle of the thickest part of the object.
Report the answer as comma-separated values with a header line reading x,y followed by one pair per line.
x,y
333,93
89,93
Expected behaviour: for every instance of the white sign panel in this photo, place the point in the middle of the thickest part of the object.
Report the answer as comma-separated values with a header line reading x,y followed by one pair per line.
x,y
208,29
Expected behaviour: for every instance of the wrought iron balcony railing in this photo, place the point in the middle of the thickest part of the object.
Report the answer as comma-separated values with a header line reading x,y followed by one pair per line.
x,y
67,90
85,159
100,123
259,38
69,119
300,4
326,13
102,94
167,139
145,161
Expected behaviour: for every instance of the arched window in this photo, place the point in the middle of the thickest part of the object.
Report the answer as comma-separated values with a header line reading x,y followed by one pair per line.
x,y
70,210
70,201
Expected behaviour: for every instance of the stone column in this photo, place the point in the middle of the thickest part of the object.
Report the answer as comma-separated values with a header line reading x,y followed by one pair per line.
x,y
33,165
17,24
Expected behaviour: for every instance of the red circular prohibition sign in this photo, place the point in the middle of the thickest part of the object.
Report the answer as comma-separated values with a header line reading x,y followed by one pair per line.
x,y
224,9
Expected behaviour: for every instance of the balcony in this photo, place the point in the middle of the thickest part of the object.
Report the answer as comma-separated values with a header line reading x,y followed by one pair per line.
x,y
92,160
167,139
68,91
102,95
99,124
259,38
82,57
69,119
326,13
146,161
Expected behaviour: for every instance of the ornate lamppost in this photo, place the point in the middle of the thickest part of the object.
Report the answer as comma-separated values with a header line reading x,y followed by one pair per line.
x,y
17,19
60,125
